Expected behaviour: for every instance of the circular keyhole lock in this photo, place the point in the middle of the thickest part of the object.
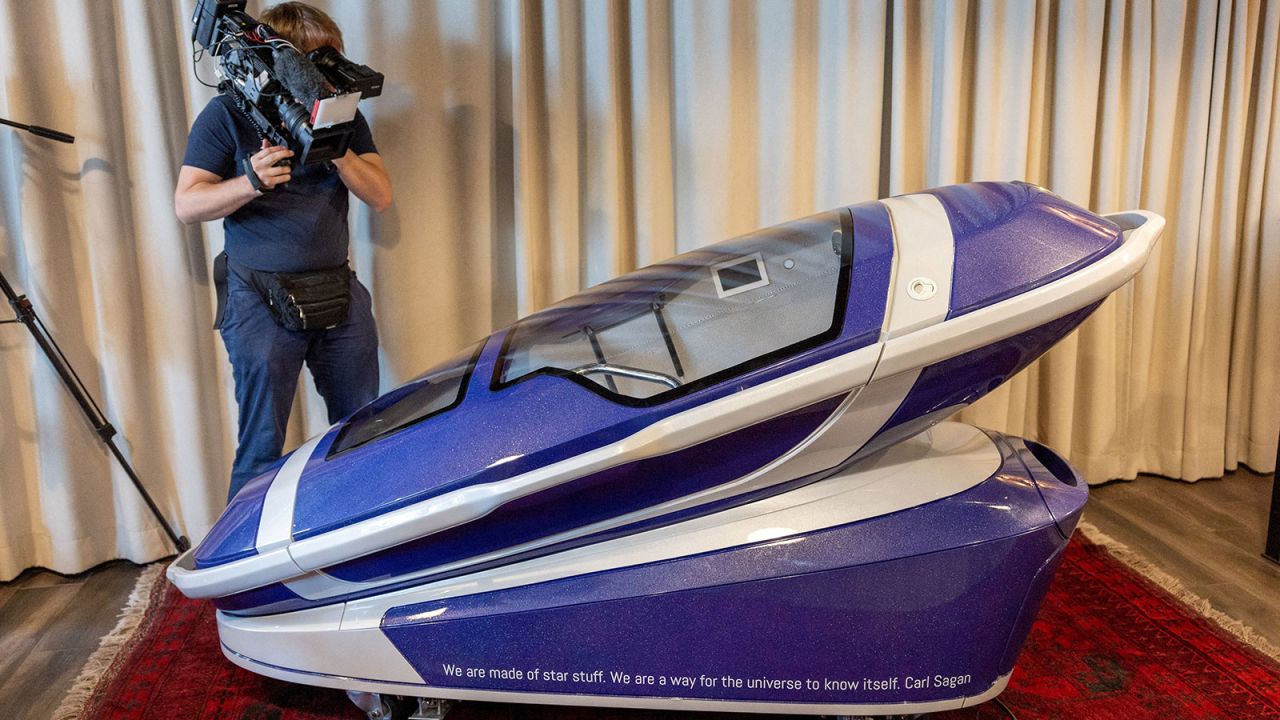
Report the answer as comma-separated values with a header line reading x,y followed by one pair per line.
x,y
922,288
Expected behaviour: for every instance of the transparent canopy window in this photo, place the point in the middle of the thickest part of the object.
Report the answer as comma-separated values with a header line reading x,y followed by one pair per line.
x,y
431,393
696,319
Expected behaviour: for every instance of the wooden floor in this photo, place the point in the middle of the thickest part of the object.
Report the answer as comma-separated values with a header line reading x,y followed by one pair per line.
x,y
49,625
1207,534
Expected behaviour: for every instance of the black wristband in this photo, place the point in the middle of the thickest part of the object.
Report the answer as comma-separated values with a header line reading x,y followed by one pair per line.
x,y
247,163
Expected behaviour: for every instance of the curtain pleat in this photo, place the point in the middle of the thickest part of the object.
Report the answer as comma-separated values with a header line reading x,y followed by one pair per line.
x,y
541,146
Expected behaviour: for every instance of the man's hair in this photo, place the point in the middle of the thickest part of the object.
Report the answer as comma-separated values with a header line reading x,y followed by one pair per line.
x,y
305,26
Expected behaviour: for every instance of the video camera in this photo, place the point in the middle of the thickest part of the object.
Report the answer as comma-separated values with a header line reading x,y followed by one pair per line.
x,y
313,97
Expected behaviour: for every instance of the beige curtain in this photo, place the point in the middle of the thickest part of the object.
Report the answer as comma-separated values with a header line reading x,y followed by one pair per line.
x,y
540,147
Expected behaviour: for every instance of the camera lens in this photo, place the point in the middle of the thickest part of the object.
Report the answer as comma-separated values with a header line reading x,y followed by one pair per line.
x,y
296,119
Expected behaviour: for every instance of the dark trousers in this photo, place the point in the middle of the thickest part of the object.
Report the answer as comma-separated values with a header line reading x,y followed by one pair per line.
x,y
266,360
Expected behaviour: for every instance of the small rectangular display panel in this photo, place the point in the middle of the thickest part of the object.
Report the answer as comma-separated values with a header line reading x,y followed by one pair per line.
x,y
735,276
740,275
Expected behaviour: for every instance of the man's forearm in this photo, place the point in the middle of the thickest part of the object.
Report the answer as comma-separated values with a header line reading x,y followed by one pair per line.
x,y
366,178
205,201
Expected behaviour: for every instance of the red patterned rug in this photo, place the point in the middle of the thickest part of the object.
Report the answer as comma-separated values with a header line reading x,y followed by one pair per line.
x,y
1109,643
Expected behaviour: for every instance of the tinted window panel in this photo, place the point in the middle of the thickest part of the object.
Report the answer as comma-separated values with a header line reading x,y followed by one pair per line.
x,y
433,392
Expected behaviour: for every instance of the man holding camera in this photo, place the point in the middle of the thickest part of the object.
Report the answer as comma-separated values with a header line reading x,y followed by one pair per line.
x,y
287,224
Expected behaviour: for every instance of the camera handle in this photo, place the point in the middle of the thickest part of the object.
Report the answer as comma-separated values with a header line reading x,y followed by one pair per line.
x,y
26,314
255,117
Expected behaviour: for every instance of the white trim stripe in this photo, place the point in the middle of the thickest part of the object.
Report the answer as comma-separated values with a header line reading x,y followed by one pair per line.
x,y
275,525
947,459
925,249
840,436
677,432
670,434
790,465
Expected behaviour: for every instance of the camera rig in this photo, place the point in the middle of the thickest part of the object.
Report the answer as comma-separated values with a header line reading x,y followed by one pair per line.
x,y
307,103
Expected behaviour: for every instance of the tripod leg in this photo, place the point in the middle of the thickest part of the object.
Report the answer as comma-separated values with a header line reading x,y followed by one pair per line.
x,y
27,315
179,541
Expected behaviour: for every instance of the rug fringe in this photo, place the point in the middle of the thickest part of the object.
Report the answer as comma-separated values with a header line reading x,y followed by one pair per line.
x,y
1173,586
134,612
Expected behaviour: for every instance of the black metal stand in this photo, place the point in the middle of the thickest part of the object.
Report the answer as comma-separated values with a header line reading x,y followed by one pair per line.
x,y
1272,552
26,315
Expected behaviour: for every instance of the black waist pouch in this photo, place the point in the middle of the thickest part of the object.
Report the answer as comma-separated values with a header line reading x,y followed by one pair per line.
x,y
312,300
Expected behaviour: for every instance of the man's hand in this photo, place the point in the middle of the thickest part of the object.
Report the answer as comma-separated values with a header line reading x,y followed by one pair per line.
x,y
202,196
366,178
264,164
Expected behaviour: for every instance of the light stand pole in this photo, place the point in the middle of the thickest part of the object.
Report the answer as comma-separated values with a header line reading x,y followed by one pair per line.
x,y
26,314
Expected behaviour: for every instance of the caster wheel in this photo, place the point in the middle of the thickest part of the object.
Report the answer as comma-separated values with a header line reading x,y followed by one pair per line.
x,y
381,707
395,707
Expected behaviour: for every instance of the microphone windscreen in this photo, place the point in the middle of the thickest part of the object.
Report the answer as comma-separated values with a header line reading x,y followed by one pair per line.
x,y
300,77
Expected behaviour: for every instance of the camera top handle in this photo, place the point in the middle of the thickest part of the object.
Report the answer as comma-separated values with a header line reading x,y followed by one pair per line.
x,y
206,17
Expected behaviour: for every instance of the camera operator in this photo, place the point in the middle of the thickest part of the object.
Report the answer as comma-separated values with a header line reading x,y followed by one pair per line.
x,y
282,219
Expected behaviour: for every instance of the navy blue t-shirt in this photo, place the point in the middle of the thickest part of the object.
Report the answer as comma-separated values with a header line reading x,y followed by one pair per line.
x,y
296,227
